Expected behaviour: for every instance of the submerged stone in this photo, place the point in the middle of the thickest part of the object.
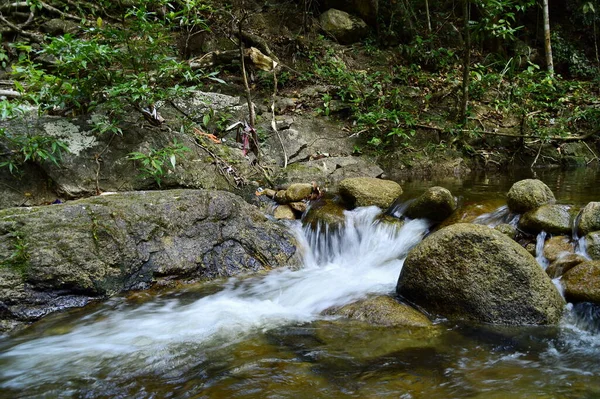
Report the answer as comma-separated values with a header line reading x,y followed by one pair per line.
x,y
383,311
473,272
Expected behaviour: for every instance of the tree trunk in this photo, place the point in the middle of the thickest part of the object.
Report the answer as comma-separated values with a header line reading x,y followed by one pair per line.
x,y
428,16
547,43
462,118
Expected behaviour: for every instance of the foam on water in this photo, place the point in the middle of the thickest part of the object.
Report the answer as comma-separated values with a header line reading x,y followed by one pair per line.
x,y
361,258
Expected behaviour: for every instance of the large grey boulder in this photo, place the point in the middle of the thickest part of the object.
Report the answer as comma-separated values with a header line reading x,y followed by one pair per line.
x,y
61,256
590,218
553,219
529,194
592,244
345,28
366,191
437,203
473,272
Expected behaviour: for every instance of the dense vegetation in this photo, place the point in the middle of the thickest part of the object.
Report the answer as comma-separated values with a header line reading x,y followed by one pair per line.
x,y
465,70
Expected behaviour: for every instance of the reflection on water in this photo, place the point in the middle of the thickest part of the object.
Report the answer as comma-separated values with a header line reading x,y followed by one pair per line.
x,y
264,336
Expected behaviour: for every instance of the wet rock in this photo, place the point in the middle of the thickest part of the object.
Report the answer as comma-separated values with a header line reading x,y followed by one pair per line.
x,y
563,264
582,282
284,212
436,204
298,192
473,272
469,212
298,206
557,247
553,219
390,220
507,229
526,195
590,218
366,191
382,311
60,256
345,28
325,213
592,245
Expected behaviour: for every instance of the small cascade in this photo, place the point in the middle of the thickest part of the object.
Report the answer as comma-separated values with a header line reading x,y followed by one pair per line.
x,y
360,258
539,250
579,242
502,215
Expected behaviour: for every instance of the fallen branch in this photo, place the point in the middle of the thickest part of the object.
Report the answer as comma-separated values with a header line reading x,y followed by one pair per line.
x,y
33,37
274,124
516,136
9,93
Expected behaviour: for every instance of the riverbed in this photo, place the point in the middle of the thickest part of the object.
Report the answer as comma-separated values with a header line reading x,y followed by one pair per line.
x,y
266,336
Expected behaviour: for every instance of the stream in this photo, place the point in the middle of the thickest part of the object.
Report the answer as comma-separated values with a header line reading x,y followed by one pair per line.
x,y
265,336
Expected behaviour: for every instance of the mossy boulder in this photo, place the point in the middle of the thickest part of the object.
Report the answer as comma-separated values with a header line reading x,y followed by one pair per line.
x,y
62,256
529,194
592,245
590,218
366,191
323,213
436,204
382,311
298,192
563,264
582,282
474,272
507,229
345,28
284,212
553,219
557,247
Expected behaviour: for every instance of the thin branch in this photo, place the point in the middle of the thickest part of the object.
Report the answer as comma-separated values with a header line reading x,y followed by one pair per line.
x,y
274,124
538,155
516,136
33,37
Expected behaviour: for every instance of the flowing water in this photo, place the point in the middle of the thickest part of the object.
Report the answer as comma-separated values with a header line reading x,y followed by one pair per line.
x,y
266,336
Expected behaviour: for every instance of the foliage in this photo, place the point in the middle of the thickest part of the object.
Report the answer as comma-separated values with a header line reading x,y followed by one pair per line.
x,y
19,256
574,60
35,148
156,163
133,63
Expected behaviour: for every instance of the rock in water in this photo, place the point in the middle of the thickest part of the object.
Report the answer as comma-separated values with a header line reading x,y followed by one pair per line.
x,y
529,194
383,311
590,218
582,282
473,272
437,203
61,256
366,191
553,219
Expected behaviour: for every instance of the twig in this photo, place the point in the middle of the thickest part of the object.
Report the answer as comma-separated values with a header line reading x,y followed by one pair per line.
x,y
538,154
274,124
485,132
59,12
594,154
33,37
252,118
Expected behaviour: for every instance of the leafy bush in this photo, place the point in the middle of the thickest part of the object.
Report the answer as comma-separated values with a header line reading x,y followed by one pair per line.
x,y
157,163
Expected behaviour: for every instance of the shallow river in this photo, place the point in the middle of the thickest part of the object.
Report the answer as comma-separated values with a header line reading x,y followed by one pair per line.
x,y
265,337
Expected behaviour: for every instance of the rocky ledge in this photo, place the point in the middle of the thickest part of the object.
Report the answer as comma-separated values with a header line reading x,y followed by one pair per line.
x,y
61,256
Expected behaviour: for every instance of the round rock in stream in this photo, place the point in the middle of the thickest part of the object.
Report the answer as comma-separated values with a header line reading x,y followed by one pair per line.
x,y
366,191
529,194
437,203
473,272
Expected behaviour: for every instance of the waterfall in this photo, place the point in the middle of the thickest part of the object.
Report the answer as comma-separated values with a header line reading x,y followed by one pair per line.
x,y
362,257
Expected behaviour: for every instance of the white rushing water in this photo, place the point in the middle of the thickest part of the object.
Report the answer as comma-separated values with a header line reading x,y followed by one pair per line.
x,y
363,257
